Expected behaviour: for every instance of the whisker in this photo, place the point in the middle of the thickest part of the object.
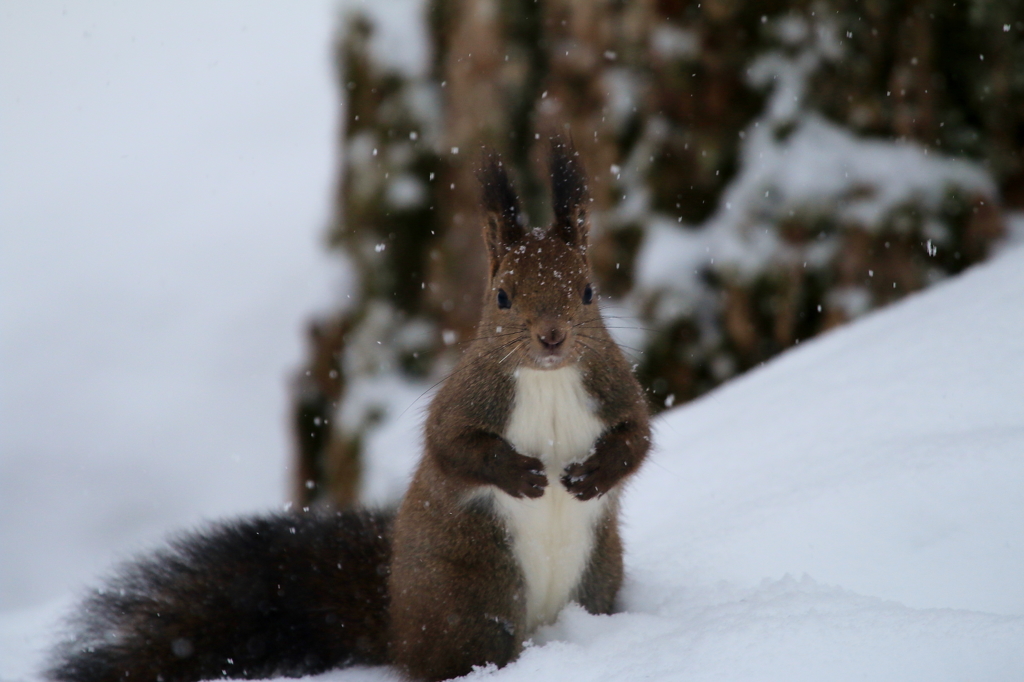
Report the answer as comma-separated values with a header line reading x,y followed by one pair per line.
x,y
602,326
487,338
449,375
606,342
514,349
499,348
620,317
587,346
620,345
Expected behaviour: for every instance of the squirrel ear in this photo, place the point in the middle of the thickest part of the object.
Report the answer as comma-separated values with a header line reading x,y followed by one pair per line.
x,y
569,193
503,226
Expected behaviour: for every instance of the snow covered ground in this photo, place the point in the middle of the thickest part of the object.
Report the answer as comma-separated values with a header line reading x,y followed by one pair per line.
x,y
853,510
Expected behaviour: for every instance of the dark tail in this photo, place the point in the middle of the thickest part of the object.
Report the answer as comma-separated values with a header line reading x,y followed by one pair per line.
x,y
281,595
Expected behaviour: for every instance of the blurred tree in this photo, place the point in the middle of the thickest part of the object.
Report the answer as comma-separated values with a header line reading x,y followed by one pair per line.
x,y
761,172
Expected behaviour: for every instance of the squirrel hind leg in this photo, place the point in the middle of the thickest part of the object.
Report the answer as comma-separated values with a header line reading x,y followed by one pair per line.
x,y
290,594
452,645
444,629
461,601
598,588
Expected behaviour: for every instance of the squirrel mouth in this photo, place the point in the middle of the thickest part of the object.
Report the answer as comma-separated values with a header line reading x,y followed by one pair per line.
x,y
552,347
551,358
550,361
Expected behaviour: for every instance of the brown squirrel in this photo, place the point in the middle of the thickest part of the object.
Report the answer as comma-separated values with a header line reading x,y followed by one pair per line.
x,y
511,514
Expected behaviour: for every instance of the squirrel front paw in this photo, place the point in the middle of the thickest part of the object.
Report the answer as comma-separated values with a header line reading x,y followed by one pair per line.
x,y
522,475
588,479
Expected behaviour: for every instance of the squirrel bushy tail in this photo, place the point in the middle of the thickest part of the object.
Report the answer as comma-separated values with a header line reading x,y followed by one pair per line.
x,y
288,594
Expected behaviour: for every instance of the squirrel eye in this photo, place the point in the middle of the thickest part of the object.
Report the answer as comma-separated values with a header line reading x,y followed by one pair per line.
x,y
503,300
588,295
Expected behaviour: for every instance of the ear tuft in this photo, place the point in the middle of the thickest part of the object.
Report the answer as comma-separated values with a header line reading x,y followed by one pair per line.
x,y
569,193
503,226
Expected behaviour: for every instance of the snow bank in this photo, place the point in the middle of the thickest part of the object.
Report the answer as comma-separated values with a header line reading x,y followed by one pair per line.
x,y
884,458
850,511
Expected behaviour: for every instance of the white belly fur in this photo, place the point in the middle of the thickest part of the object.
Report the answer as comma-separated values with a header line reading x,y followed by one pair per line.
x,y
552,419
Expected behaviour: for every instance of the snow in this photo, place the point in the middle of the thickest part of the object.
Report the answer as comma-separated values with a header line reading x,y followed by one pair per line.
x,y
792,162
165,180
399,41
851,510
884,458
819,169
821,166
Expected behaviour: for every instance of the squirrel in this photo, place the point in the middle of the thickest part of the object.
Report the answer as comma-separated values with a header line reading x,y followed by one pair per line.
x,y
511,514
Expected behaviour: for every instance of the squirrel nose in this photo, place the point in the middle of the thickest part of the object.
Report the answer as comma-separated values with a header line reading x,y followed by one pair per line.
x,y
552,338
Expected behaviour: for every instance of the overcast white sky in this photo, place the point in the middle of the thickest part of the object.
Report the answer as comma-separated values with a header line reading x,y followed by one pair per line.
x,y
165,180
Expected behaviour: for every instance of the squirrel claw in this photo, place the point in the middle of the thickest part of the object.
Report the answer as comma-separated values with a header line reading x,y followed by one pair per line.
x,y
530,479
579,480
534,492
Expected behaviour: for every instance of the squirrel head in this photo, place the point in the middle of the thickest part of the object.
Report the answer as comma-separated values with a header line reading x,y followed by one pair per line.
x,y
541,300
